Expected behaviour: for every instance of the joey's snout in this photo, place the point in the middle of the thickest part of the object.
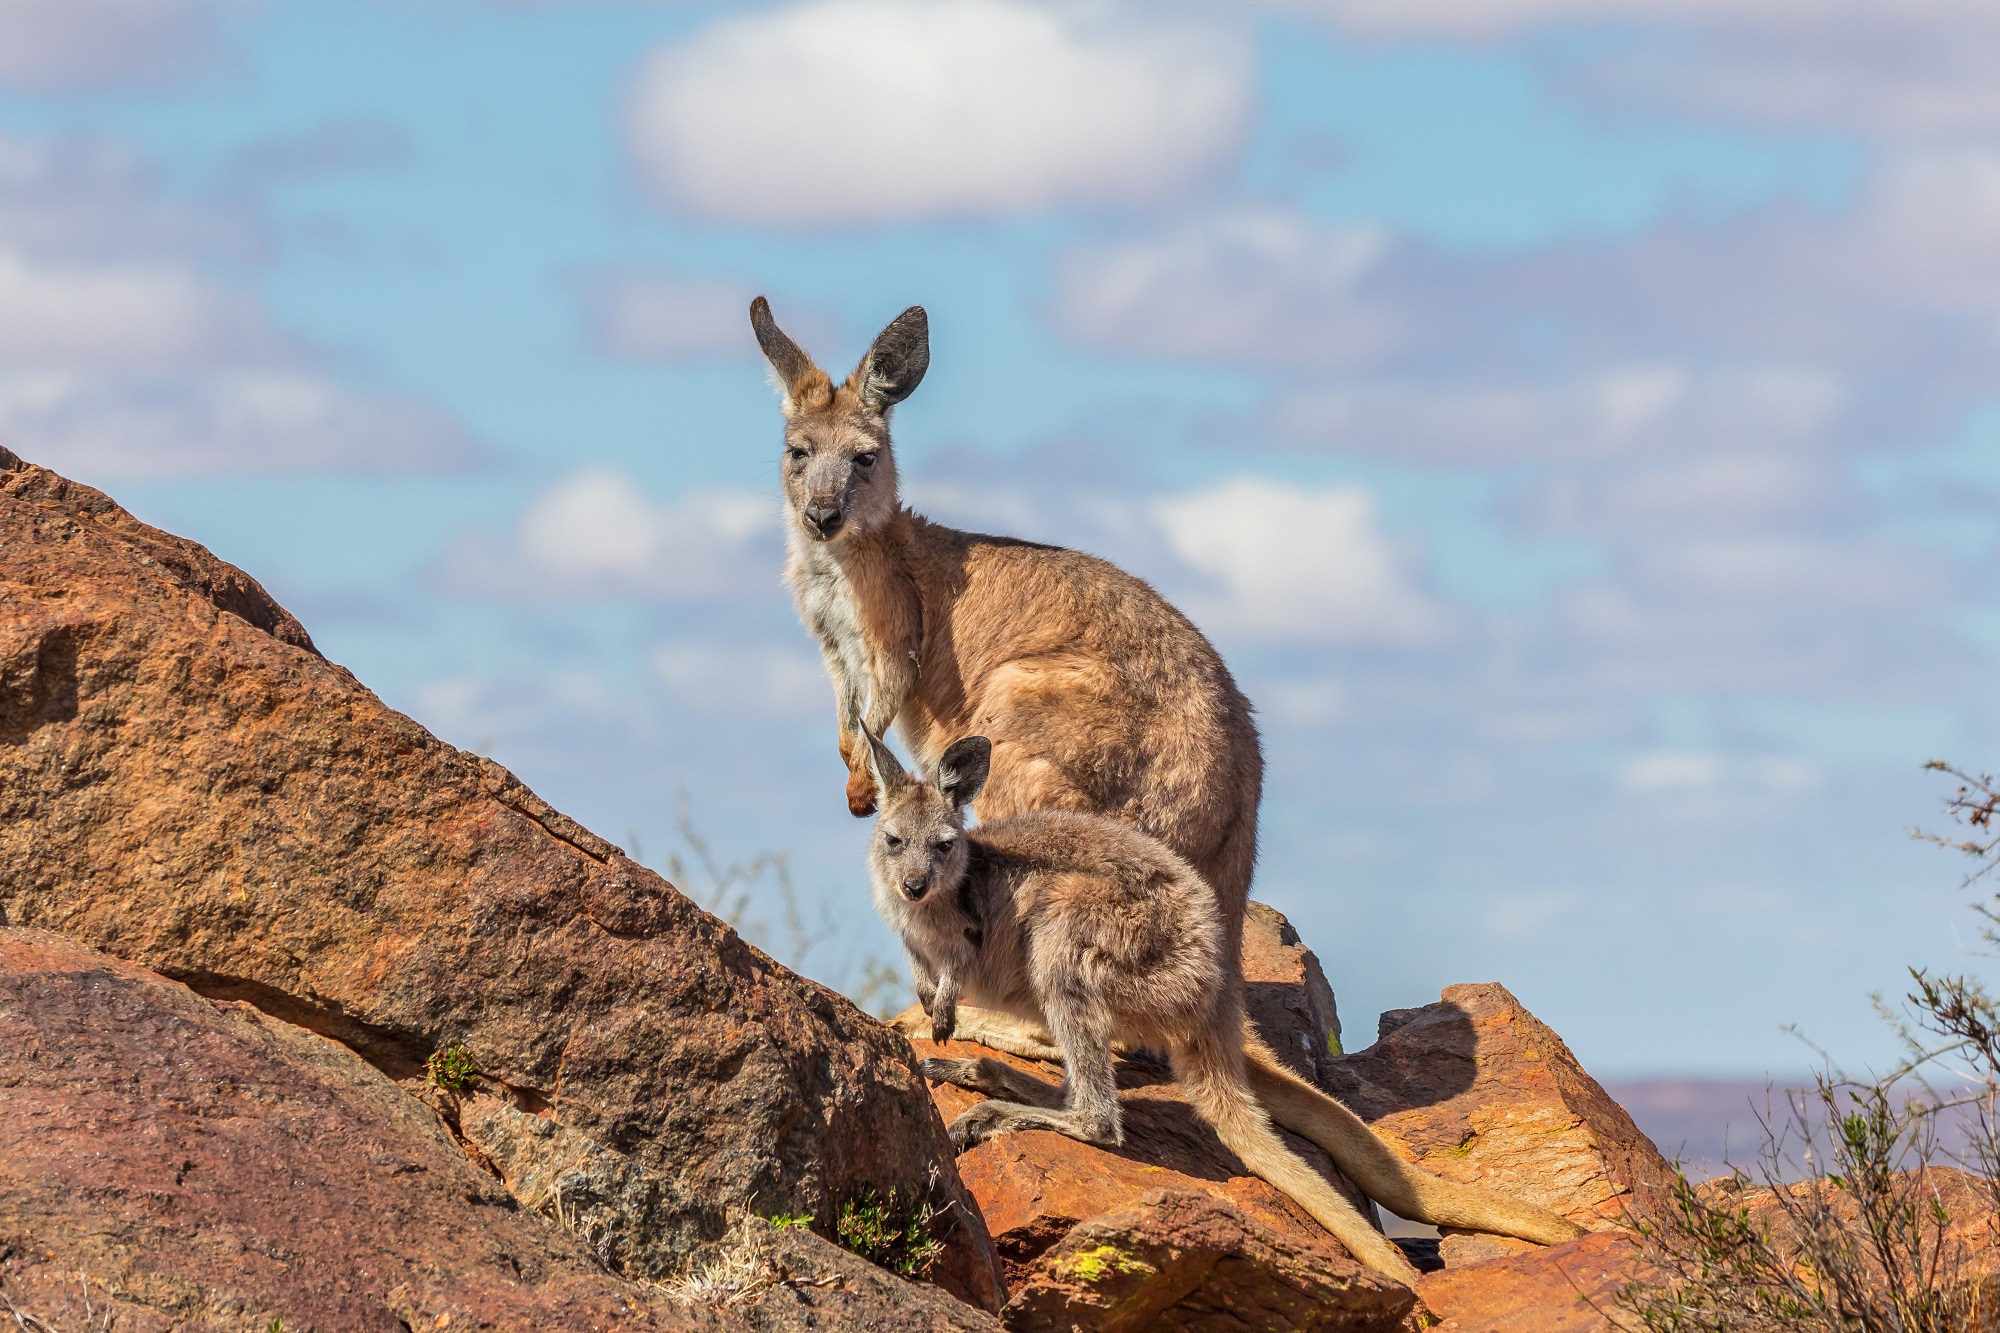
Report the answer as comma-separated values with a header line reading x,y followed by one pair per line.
x,y
916,886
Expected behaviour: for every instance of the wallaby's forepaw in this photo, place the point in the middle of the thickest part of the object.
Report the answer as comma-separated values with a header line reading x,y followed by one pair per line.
x,y
860,794
985,1121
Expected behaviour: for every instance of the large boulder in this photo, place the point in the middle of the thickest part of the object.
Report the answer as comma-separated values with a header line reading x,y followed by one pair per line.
x,y
187,784
1476,1089
1567,1288
178,1162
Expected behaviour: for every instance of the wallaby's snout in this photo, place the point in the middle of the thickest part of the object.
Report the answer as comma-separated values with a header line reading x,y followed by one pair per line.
x,y
916,886
822,518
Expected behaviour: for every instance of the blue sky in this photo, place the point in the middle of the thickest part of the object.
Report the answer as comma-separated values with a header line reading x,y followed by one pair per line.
x,y
1574,419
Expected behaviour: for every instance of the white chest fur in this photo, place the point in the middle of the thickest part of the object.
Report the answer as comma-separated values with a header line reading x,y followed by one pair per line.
x,y
825,599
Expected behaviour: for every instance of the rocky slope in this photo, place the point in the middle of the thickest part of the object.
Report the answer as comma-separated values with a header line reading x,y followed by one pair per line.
x,y
187,785
183,1163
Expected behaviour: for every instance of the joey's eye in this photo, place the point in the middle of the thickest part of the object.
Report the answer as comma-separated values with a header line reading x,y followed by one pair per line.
x,y
892,842
864,460
944,845
794,453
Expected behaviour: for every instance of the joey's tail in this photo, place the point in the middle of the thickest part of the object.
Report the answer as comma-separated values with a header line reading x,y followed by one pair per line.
x,y
1384,1177
1212,1074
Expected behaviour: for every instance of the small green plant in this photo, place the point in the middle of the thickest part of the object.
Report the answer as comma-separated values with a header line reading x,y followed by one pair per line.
x,y
451,1068
783,1220
275,1326
891,1233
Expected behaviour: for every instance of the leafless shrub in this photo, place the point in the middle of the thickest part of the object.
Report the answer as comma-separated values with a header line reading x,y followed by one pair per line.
x,y
803,938
1879,1210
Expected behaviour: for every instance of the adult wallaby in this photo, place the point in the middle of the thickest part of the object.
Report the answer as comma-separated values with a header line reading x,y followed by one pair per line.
x,y
1097,694
1088,926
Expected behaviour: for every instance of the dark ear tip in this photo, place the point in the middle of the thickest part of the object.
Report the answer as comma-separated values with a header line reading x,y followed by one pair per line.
x,y
760,309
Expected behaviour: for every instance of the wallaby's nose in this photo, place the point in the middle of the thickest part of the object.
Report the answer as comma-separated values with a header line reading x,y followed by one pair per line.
x,y
823,517
914,887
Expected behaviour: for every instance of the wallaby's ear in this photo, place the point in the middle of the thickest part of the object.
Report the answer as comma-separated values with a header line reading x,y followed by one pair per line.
x,y
895,365
889,772
787,358
962,772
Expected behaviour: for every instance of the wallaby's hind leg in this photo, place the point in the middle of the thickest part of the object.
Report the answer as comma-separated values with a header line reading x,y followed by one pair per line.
x,y
1090,1109
995,1078
1384,1177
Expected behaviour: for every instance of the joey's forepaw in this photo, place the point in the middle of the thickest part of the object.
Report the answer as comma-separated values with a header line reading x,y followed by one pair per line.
x,y
938,1070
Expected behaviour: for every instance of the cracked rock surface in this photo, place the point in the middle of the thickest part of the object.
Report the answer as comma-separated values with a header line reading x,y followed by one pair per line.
x,y
186,784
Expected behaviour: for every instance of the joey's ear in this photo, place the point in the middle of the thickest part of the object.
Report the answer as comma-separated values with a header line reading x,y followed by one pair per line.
x,y
889,772
962,772
895,365
787,358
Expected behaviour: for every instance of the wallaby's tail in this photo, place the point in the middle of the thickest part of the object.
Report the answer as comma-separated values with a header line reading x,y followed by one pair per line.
x,y
1212,1073
1384,1177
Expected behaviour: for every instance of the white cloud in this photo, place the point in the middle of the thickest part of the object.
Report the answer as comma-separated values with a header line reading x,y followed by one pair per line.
x,y
1293,564
1619,411
596,534
1658,771
1266,287
124,352
845,111
144,316
647,315
640,313
95,425
1479,18
56,44
743,678
1888,69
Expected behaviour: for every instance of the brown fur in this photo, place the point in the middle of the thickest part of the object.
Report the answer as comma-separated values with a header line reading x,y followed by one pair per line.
x,y
1098,933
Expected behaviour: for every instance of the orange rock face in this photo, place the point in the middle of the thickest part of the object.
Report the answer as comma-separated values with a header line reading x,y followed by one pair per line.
x,y
185,783
1568,1288
1182,1260
1038,1191
1476,1089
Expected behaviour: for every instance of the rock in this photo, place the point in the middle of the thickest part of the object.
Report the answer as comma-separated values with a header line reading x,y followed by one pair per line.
x,y
186,784
1567,1288
1477,1089
1966,1249
1037,1189
1458,1248
1287,994
206,1166
1189,1260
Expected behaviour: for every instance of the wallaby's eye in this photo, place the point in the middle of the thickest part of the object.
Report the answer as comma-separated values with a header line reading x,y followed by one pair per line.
x,y
794,453
892,842
943,845
864,460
